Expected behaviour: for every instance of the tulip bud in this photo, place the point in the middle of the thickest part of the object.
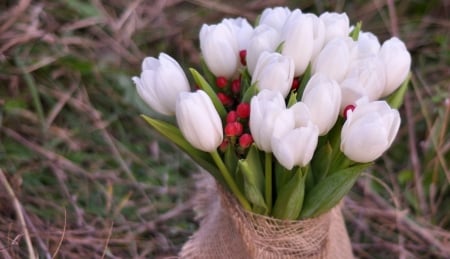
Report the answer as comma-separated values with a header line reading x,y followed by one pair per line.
x,y
397,61
275,17
275,72
294,139
264,38
369,130
337,25
264,109
322,95
199,121
220,49
366,77
298,31
334,59
160,83
367,45
319,31
241,29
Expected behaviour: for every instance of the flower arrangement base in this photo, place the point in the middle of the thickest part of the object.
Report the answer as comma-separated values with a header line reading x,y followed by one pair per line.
x,y
228,231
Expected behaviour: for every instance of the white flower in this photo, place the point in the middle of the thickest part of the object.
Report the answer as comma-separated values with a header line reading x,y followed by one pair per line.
x,y
397,61
274,17
369,130
322,95
366,46
336,24
264,110
220,49
199,121
298,40
366,77
241,29
264,38
295,137
334,59
160,83
319,31
275,72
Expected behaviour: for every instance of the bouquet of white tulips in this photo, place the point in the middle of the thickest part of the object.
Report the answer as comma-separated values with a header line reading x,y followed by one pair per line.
x,y
285,114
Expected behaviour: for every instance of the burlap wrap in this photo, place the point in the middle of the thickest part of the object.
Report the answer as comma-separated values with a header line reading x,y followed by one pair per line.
x,y
227,231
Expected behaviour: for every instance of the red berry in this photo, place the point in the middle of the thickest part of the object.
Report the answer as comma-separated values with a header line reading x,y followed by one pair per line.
x,y
243,56
223,146
232,116
236,86
225,99
347,108
221,82
233,129
243,110
295,83
245,140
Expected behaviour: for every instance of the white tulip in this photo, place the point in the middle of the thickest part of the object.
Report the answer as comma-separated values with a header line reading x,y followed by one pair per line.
x,y
160,83
369,130
275,72
319,31
199,121
397,61
220,49
334,59
298,40
366,77
366,46
336,24
294,139
264,38
274,17
242,30
322,95
264,110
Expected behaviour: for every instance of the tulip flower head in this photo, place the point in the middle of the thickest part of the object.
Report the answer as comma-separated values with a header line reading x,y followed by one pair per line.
x,y
199,121
160,83
369,130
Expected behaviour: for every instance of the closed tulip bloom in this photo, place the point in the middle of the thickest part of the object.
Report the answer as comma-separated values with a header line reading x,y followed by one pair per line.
x,y
336,24
397,61
366,77
366,46
264,38
319,31
334,59
298,40
322,95
220,49
241,29
199,121
369,130
275,72
160,83
294,138
274,17
264,110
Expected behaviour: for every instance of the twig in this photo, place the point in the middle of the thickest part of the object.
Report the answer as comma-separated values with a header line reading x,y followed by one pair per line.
x,y
19,211
107,240
62,236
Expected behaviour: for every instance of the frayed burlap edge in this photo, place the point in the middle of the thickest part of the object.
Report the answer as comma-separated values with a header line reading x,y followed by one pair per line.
x,y
227,231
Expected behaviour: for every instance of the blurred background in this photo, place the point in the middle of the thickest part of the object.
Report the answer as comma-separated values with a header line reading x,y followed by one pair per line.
x,y
88,177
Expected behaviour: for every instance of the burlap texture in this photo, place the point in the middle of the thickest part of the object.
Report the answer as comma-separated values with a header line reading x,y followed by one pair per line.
x,y
227,231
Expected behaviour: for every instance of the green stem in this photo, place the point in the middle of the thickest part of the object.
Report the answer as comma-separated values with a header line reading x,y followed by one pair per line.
x,y
268,176
230,181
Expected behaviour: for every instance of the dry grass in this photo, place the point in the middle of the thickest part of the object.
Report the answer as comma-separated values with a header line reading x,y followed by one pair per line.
x,y
82,175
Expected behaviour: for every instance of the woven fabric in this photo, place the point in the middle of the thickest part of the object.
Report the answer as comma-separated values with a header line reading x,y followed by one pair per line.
x,y
228,231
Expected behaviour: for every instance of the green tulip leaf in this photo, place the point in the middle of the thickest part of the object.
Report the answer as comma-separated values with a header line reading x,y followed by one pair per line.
x,y
249,93
395,100
355,32
320,164
328,192
305,78
292,99
289,200
208,75
173,134
252,173
204,85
